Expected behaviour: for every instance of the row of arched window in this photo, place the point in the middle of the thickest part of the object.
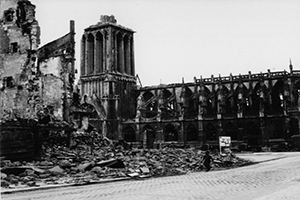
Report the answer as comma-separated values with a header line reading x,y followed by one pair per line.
x,y
95,52
242,100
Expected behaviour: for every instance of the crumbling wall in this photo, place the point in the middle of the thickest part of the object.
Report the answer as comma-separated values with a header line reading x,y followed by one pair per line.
x,y
56,66
32,79
35,83
19,33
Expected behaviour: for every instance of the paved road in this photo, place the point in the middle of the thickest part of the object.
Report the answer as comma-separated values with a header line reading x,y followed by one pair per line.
x,y
273,180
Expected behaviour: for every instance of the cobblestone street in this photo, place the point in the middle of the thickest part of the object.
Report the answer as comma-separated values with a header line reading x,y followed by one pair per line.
x,y
276,179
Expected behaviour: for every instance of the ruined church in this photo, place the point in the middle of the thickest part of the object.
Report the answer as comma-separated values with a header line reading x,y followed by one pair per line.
x,y
38,93
252,109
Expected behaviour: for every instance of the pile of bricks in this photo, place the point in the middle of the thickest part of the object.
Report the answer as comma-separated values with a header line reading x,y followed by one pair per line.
x,y
100,159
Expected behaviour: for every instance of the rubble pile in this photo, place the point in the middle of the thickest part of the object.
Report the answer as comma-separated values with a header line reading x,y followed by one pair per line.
x,y
90,159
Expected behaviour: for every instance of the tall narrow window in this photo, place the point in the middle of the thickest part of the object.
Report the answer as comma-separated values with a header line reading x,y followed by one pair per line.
x,y
120,53
99,53
82,65
127,54
90,54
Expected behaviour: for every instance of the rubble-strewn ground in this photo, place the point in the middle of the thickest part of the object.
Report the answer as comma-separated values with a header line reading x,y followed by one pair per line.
x,y
277,179
92,157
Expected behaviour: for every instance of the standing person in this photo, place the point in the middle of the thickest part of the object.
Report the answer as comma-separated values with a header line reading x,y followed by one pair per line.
x,y
207,159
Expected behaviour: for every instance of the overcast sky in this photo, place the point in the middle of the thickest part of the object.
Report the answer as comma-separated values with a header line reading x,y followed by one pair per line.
x,y
187,38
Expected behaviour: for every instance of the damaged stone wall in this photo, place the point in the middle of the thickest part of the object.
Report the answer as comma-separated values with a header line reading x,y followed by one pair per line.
x,y
19,32
57,74
36,84
33,81
200,112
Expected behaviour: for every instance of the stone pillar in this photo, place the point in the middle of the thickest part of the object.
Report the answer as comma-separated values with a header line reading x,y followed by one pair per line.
x,y
240,129
213,100
159,137
90,88
82,88
201,136
122,55
232,95
109,49
137,133
99,88
286,97
181,134
270,86
127,55
144,136
86,55
104,51
82,57
132,57
250,89
220,128
250,93
261,104
287,127
116,49
104,128
291,89
96,66
119,128
262,131
87,87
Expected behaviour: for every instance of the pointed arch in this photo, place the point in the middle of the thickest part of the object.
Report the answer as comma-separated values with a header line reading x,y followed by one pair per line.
x,y
150,103
259,93
277,97
187,101
241,99
205,101
223,102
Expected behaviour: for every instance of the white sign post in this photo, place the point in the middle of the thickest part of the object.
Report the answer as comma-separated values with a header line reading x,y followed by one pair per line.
x,y
224,141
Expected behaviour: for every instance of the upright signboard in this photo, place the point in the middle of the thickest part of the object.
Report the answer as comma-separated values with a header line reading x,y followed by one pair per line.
x,y
224,142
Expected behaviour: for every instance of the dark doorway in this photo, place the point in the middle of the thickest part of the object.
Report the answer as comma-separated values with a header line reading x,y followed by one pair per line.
x,y
150,137
129,134
170,133
191,133
294,127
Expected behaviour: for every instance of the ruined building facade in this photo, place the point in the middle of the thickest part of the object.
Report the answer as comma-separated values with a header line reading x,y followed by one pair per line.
x,y
108,73
36,83
251,108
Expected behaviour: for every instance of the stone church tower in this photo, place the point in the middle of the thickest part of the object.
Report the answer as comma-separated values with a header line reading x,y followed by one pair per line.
x,y
108,73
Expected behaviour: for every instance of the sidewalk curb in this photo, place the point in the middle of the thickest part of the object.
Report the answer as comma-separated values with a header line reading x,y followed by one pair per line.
x,y
271,159
12,191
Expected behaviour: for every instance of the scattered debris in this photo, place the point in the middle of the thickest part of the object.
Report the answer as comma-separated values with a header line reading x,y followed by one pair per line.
x,y
78,164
